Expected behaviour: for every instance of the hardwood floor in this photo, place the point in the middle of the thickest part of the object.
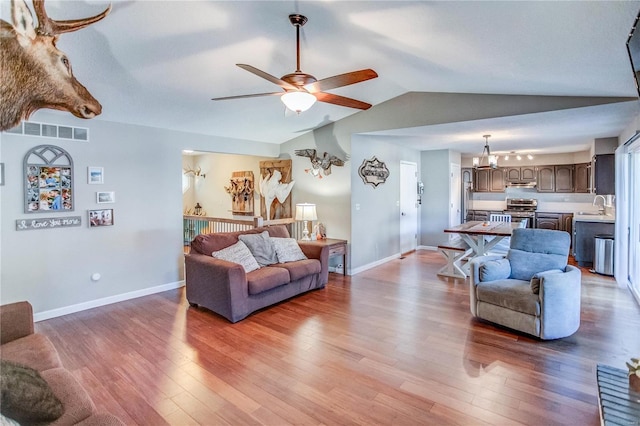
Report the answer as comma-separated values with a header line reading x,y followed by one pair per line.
x,y
392,345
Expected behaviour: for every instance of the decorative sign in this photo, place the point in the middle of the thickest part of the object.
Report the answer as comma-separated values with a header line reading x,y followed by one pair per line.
x,y
49,223
373,172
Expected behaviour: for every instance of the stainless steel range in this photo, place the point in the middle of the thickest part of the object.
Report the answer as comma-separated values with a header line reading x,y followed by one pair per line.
x,y
521,208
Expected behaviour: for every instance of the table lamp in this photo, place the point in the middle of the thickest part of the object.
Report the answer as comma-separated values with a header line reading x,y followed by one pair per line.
x,y
306,212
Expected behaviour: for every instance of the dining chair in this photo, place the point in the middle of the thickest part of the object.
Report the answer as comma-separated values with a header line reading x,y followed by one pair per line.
x,y
499,217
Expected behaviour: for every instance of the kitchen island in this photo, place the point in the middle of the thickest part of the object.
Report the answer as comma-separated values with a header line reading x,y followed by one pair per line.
x,y
586,226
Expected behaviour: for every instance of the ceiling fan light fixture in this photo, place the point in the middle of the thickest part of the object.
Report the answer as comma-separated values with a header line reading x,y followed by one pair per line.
x,y
298,101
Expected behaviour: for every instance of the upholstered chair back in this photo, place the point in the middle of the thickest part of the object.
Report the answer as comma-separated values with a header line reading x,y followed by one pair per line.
x,y
537,250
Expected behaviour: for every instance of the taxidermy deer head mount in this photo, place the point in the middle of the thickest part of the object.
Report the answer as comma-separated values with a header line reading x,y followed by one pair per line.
x,y
35,74
196,173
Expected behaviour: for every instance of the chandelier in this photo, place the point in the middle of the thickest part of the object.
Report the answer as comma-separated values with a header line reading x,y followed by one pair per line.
x,y
486,160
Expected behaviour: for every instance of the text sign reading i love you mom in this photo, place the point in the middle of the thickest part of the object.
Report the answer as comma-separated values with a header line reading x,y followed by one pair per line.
x,y
49,223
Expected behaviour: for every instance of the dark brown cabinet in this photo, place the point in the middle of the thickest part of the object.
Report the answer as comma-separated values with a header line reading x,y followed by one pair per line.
x,y
489,180
497,180
584,240
520,174
555,178
582,178
546,179
548,221
564,178
604,174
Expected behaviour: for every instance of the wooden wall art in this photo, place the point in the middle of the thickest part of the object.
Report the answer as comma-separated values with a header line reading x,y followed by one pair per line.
x,y
373,172
319,165
241,189
48,180
45,83
275,189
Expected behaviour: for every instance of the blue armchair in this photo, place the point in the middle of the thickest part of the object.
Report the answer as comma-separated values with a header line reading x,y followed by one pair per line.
x,y
532,290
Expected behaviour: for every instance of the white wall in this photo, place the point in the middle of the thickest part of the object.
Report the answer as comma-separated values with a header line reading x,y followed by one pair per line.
x,y
143,250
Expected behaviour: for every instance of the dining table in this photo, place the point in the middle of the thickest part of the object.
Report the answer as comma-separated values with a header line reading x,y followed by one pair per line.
x,y
482,236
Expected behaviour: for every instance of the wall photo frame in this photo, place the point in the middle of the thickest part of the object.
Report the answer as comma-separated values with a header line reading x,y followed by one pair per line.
x,y
48,180
102,217
105,197
95,175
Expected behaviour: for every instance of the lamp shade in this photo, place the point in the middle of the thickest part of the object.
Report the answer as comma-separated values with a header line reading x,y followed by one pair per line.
x,y
306,211
298,101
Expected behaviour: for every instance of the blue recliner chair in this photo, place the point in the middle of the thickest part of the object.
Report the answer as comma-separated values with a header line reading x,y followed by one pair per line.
x,y
532,290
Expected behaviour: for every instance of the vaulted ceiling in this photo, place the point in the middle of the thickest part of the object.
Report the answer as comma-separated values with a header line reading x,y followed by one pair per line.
x,y
158,63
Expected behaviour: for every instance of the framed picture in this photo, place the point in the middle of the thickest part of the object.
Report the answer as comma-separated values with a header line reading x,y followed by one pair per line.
x,y
102,217
105,197
48,180
95,175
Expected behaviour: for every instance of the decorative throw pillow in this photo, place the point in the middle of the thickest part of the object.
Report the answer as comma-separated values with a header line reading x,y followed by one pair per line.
x,y
261,247
287,250
495,270
238,253
535,280
25,395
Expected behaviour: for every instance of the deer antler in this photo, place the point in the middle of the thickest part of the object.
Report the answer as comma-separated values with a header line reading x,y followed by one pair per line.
x,y
50,27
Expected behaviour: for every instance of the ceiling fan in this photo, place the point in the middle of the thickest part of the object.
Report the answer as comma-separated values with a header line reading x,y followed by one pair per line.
x,y
302,89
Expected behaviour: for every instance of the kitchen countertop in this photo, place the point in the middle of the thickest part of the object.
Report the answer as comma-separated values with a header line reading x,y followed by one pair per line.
x,y
603,218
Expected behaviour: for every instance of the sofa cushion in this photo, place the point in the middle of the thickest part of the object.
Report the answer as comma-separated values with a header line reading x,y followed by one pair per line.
x,y
492,270
266,278
287,250
511,294
238,253
524,264
208,243
261,247
35,351
535,280
25,395
302,268
77,403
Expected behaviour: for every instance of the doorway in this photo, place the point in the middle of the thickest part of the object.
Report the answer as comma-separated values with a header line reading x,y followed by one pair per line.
x,y
455,196
408,207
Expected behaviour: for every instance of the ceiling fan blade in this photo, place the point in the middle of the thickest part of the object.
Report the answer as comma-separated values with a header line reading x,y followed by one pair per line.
x,y
269,77
341,80
255,95
341,100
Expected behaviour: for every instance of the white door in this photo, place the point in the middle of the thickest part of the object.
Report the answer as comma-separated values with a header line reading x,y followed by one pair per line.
x,y
455,195
408,207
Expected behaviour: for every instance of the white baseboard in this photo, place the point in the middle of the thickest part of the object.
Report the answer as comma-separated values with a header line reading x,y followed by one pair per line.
x,y
53,313
373,264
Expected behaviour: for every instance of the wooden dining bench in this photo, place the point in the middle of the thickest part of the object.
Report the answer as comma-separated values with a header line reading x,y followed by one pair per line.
x,y
454,251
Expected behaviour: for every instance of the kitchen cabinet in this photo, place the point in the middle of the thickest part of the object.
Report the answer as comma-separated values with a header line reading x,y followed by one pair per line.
x,y
582,178
482,215
489,180
604,174
549,221
555,178
520,174
546,179
584,240
555,221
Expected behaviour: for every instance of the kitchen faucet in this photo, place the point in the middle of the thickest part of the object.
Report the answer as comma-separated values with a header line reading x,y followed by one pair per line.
x,y
600,208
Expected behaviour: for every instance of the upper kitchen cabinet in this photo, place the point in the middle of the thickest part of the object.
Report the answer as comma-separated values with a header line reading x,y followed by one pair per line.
x,y
604,174
489,180
520,174
582,178
555,178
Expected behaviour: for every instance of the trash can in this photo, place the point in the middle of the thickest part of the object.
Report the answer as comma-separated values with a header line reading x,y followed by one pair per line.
x,y
603,254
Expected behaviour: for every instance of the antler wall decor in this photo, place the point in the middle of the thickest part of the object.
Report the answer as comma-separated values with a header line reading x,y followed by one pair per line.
x,y
241,189
320,165
196,173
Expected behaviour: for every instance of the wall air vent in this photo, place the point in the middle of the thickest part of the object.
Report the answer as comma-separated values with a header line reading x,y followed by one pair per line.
x,y
32,128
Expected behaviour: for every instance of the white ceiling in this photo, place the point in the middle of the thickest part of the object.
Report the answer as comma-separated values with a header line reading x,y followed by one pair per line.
x,y
158,63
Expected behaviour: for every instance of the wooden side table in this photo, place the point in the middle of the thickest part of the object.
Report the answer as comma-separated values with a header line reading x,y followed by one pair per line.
x,y
336,248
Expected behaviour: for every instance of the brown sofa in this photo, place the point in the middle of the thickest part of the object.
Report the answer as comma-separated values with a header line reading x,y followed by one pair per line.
x,y
225,288
21,345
